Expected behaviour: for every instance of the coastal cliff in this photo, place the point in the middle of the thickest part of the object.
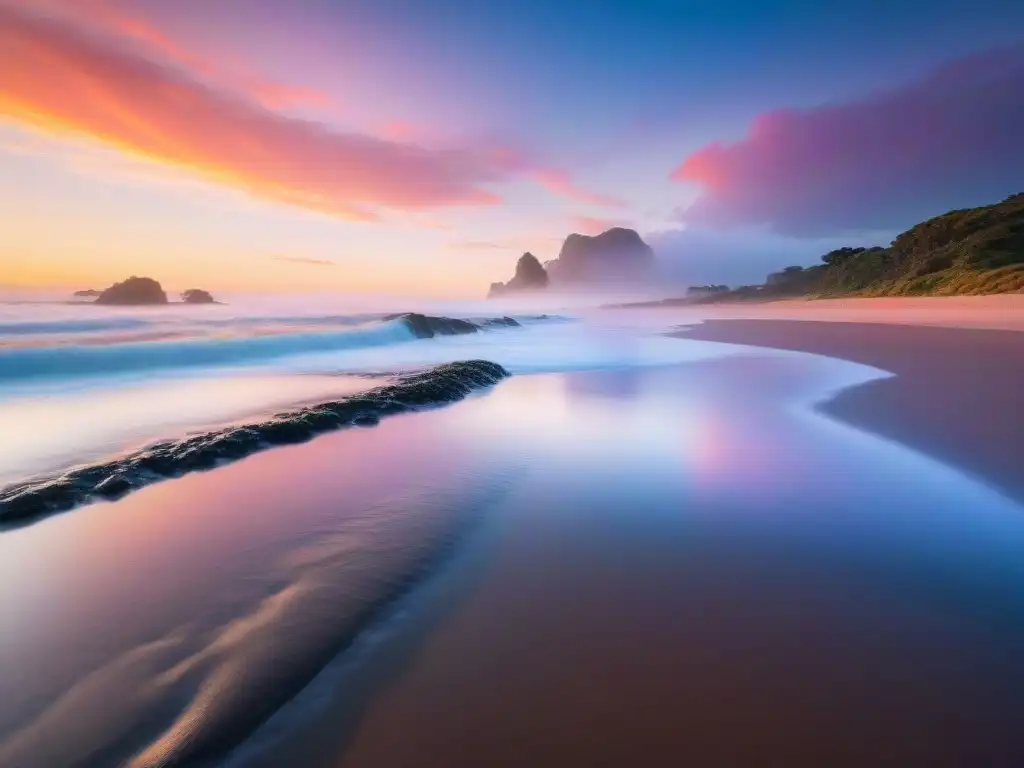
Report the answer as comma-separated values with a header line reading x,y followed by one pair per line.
x,y
613,256
969,251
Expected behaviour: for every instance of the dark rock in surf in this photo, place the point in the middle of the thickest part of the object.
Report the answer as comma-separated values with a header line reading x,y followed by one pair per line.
x,y
113,479
500,322
427,326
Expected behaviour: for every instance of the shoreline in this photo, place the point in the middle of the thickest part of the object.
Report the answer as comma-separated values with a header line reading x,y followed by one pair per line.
x,y
715,605
997,311
955,393
630,534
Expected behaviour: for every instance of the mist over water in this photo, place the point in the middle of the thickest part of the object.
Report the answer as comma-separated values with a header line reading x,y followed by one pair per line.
x,y
78,381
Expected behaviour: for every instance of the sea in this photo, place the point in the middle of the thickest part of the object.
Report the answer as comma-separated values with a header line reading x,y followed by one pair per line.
x,y
80,381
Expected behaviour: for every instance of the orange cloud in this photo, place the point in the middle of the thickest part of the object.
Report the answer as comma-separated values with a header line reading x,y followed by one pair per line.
x,y
559,183
70,81
109,17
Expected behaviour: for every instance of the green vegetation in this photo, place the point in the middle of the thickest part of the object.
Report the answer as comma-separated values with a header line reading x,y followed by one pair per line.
x,y
964,252
706,290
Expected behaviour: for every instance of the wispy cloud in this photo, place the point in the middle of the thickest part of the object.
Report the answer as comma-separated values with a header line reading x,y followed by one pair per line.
x,y
306,260
950,139
68,80
113,18
527,243
590,225
560,183
479,245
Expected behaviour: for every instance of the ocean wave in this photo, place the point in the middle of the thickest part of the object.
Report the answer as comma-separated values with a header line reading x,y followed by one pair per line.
x,y
179,319
125,358
113,479
40,327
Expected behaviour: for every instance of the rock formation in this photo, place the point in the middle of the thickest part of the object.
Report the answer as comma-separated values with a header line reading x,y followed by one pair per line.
x,y
612,258
617,258
134,291
197,296
90,293
530,276
428,326
111,479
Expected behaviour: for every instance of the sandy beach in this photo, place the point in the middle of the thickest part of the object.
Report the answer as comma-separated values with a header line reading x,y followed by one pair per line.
x,y
955,393
997,312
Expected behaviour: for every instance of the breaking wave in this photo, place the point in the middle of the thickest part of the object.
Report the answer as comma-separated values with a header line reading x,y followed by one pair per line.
x,y
100,359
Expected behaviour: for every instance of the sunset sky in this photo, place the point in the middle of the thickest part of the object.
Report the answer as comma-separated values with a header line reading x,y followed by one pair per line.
x,y
418,147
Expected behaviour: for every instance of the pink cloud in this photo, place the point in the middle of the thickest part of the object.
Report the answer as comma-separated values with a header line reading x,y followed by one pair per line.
x,y
883,162
590,225
67,80
400,130
560,183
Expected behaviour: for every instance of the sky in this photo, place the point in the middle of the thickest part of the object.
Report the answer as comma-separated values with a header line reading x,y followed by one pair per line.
x,y
413,147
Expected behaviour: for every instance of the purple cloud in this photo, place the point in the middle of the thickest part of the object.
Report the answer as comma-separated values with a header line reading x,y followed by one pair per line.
x,y
954,138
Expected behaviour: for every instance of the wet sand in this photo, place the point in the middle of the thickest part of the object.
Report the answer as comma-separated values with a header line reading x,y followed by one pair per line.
x,y
697,572
957,393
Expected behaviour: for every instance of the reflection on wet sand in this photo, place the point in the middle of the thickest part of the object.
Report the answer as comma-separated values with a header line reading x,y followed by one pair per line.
x,y
676,565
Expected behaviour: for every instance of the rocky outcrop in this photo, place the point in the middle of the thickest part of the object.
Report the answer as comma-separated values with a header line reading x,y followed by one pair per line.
x,y
614,257
197,296
500,322
530,276
90,293
134,291
112,479
428,326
